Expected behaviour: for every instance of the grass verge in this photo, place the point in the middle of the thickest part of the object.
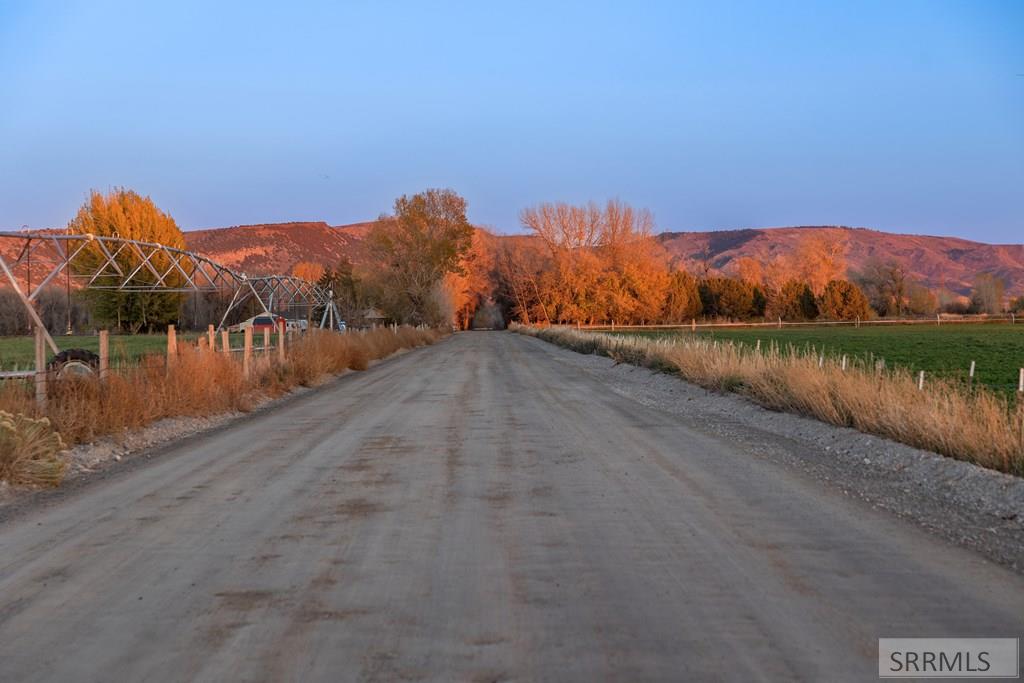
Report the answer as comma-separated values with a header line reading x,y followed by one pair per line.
x,y
979,426
198,383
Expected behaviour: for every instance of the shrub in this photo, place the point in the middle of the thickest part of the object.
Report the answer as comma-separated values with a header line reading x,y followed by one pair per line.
x,y
31,452
843,300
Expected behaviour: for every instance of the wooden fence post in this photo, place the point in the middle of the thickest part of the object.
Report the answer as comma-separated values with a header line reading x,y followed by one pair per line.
x,y
40,369
970,374
266,340
280,342
920,381
1020,382
247,352
212,337
225,341
693,325
104,354
172,346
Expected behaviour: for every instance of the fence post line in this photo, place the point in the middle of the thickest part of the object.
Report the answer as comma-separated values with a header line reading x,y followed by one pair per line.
x,y
247,351
212,334
280,341
40,369
172,346
104,354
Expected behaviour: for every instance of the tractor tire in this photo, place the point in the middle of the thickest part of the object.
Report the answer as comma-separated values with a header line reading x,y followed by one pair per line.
x,y
74,363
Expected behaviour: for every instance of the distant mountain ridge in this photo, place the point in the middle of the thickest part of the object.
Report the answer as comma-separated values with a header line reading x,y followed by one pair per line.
x,y
937,262
276,247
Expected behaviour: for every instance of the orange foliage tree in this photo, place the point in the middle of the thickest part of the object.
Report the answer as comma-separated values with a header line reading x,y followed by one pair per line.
x,y
308,270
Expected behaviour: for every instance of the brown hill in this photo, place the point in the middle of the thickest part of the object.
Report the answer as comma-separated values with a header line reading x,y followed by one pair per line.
x,y
276,247
937,262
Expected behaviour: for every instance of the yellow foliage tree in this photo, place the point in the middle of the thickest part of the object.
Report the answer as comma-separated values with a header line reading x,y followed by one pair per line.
x,y
124,213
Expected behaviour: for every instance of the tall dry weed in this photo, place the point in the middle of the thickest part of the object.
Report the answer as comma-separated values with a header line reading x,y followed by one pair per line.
x,y
977,425
198,382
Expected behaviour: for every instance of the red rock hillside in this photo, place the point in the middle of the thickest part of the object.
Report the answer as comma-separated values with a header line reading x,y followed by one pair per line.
x,y
276,247
936,262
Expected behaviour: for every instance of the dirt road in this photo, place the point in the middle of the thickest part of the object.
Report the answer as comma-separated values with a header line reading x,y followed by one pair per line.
x,y
477,510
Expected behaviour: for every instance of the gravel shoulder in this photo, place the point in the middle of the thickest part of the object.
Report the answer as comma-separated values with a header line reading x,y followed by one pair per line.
x,y
969,505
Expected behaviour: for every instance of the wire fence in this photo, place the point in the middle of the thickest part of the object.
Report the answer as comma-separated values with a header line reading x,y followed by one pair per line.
x,y
778,323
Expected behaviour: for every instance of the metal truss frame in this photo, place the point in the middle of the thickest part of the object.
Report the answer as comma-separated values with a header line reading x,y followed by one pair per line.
x,y
125,265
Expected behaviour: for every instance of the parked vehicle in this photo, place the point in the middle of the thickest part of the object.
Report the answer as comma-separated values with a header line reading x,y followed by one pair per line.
x,y
258,323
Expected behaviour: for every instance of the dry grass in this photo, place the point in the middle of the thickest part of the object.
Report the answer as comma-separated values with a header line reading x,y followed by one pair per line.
x,y
198,383
30,451
978,426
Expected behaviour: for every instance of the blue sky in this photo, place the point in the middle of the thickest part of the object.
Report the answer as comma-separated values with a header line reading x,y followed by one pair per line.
x,y
904,116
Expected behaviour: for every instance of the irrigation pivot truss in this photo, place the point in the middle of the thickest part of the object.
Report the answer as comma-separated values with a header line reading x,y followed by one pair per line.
x,y
125,265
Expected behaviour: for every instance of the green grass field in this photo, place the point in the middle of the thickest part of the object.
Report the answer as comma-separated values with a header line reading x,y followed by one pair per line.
x,y
20,351
944,350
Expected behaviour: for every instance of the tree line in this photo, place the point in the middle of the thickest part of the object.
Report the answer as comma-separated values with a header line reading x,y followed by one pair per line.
x,y
424,263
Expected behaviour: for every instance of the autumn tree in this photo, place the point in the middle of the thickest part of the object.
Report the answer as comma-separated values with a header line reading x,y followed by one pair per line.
x,y
987,294
602,263
124,213
519,263
308,270
472,287
415,249
819,259
885,283
842,300
921,300
749,269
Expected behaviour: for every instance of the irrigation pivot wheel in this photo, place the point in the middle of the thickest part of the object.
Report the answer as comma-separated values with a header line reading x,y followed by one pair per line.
x,y
74,363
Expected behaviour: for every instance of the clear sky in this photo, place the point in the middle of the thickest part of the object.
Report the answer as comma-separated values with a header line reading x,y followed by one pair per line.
x,y
899,115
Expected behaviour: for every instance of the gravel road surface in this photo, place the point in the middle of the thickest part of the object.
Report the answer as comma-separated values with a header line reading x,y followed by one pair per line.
x,y
479,510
